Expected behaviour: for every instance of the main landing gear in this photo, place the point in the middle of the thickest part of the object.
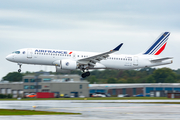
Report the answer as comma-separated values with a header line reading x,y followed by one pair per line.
x,y
85,74
19,70
84,68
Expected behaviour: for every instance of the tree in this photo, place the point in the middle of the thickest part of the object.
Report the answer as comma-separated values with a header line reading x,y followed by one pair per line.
x,y
163,75
92,79
122,80
130,80
112,80
177,71
150,79
145,75
170,79
13,77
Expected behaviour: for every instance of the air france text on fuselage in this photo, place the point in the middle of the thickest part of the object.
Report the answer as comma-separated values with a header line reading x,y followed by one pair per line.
x,y
51,51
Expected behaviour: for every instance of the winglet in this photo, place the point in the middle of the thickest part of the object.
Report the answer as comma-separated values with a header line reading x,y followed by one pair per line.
x,y
118,47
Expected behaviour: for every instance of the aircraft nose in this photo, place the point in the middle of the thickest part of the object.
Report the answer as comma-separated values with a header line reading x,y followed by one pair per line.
x,y
9,57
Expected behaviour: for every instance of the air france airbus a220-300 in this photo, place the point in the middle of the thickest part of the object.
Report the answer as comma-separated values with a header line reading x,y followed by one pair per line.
x,y
65,60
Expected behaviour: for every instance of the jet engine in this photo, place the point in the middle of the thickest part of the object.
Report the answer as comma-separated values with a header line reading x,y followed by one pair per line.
x,y
65,65
59,70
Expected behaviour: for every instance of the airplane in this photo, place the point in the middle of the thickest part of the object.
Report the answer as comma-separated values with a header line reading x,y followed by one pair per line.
x,y
67,60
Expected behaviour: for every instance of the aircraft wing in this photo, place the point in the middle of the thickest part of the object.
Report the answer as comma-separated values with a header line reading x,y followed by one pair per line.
x,y
160,59
91,61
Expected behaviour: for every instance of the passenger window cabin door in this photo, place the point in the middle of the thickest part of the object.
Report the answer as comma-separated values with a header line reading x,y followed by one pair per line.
x,y
74,56
29,53
135,61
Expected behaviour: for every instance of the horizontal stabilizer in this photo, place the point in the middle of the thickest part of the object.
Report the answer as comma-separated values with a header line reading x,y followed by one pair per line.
x,y
161,59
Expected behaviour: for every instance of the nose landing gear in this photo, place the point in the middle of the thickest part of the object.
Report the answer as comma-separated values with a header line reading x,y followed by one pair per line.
x,y
19,70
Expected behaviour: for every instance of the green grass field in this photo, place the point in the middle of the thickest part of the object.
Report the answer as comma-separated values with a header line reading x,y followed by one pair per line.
x,y
99,98
32,112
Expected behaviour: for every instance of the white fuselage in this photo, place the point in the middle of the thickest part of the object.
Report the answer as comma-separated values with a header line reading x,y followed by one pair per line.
x,y
38,56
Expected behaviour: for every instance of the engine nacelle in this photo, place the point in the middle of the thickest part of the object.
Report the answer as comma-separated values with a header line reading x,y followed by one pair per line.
x,y
59,70
65,65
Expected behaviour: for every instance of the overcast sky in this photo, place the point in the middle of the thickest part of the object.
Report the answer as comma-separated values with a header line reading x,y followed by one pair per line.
x,y
87,25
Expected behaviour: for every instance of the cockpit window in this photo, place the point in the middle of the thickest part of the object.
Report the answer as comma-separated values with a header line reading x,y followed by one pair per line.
x,y
16,52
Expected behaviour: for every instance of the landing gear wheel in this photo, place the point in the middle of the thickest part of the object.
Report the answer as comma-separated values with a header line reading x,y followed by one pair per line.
x,y
86,74
19,70
83,75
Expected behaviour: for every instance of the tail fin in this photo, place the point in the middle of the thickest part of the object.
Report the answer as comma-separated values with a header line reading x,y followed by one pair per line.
x,y
159,45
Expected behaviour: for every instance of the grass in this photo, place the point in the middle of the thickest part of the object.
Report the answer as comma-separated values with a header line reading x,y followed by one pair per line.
x,y
32,112
99,98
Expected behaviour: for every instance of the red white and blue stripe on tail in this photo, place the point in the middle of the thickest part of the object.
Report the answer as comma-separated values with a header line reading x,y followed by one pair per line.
x,y
159,45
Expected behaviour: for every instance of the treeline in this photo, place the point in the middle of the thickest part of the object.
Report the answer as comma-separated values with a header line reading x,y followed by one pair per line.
x,y
146,75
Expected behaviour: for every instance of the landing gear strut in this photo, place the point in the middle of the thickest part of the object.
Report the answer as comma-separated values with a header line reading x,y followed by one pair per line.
x,y
86,74
19,70
84,68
